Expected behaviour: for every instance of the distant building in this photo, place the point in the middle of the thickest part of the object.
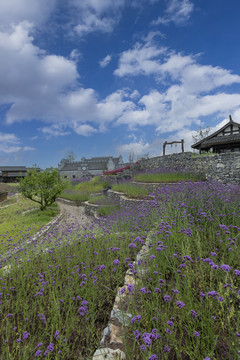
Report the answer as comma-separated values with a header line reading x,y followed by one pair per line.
x,y
87,168
12,173
226,139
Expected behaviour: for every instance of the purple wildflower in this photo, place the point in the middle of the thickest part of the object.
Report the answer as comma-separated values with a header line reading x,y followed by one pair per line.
x,y
42,317
143,347
25,335
153,357
132,245
38,353
130,287
56,335
136,318
167,298
237,272
116,262
137,334
122,291
194,314
212,293
225,267
197,334
166,348
180,304
50,347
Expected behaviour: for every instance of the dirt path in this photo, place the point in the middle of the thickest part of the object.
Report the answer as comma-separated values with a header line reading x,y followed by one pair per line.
x,y
75,214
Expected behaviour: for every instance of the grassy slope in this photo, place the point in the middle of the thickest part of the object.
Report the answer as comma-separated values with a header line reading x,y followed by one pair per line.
x,y
18,223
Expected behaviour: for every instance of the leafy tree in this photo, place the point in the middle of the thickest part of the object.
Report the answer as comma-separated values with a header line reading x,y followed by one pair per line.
x,y
42,187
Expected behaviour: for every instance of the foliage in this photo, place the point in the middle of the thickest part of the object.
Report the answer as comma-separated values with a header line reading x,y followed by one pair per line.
x,y
132,191
167,177
42,187
81,191
20,220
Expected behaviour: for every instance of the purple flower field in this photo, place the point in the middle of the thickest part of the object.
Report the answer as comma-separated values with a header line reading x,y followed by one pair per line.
x,y
57,296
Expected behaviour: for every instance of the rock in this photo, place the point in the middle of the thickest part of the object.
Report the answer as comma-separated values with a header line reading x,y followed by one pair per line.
x,y
108,354
106,332
121,316
115,333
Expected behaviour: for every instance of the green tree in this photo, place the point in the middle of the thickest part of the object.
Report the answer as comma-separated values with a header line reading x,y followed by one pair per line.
x,y
42,187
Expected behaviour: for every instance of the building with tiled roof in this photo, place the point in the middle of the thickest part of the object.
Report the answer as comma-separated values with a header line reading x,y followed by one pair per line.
x,y
226,139
87,168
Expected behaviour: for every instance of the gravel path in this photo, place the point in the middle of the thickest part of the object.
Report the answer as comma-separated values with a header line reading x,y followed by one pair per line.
x,y
74,215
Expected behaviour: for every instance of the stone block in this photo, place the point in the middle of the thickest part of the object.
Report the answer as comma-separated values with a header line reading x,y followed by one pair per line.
x,y
109,354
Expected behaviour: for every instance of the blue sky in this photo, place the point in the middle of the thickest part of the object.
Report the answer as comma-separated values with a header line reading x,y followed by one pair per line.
x,y
111,77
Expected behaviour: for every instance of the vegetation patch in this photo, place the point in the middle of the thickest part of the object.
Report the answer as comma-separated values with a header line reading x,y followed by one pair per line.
x,y
131,191
18,224
184,303
172,177
81,191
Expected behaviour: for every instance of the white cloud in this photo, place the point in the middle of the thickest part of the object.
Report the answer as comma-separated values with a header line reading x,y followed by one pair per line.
x,y
53,131
135,147
16,11
85,129
177,11
104,62
10,143
189,90
142,59
45,87
95,15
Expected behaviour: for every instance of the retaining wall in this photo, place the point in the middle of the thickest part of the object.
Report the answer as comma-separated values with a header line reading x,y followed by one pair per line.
x,y
220,167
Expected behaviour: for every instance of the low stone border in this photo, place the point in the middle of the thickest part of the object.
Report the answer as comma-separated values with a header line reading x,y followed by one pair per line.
x,y
90,209
112,345
40,233
65,201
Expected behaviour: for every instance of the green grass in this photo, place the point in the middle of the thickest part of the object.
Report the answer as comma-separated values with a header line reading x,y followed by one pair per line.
x,y
131,191
81,192
167,177
106,210
21,220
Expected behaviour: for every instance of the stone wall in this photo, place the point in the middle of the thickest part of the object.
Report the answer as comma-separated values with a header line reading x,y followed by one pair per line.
x,y
219,167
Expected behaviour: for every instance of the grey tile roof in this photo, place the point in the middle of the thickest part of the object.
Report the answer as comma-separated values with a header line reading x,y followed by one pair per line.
x,y
211,139
13,168
218,140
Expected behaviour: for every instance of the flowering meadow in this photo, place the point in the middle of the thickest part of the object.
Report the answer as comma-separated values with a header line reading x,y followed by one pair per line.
x,y
57,293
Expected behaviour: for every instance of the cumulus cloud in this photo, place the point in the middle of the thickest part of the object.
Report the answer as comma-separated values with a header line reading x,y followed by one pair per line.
x,y
136,148
84,129
10,143
16,11
177,11
104,62
41,86
188,92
